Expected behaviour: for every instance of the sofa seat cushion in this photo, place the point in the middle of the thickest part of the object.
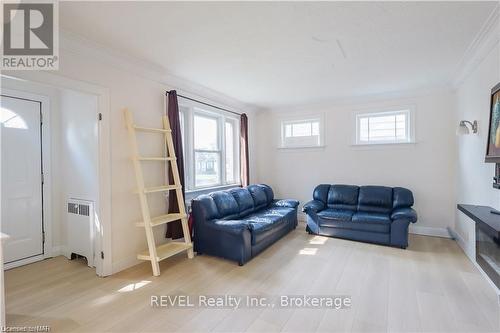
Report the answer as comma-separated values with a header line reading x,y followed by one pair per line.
x,y
234,227
267,221
331,216
362,217
375,222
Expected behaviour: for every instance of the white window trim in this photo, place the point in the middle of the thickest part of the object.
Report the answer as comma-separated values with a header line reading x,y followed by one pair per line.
x,y
301,119
410,128
189,158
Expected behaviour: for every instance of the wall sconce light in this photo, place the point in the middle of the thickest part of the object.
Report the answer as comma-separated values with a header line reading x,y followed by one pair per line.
x,y
464,130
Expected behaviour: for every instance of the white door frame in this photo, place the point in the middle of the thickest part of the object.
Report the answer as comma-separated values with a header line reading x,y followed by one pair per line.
x,y
47,172
103,204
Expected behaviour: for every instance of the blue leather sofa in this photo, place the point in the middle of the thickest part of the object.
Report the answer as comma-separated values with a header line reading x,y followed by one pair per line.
x,y
239,223
375,214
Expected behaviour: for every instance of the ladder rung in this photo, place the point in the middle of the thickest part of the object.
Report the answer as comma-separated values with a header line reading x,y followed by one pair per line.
x,y
163,219
153,130
161,188
166,250
140,158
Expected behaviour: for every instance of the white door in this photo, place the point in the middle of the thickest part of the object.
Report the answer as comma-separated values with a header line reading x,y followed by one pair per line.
x,y
21,164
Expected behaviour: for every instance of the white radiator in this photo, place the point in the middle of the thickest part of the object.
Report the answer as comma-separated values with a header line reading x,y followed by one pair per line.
x,y
80,229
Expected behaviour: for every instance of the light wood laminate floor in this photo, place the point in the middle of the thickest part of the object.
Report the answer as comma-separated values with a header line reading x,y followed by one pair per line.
x,y
430,287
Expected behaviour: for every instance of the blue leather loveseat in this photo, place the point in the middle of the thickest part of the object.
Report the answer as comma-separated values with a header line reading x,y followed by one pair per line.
x,y
239,223
375,214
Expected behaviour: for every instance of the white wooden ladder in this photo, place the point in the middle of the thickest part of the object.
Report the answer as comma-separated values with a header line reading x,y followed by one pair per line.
x,y
157,253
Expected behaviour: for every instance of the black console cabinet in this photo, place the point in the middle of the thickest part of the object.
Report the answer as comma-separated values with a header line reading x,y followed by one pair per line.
x,y
487,239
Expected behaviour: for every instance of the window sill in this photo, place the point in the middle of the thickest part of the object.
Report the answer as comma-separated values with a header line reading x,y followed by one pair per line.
x,y
383,145
301,147
194,193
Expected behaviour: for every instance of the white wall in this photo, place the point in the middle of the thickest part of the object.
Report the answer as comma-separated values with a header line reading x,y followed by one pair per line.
x,y
474,177
79,144
141,88
426,167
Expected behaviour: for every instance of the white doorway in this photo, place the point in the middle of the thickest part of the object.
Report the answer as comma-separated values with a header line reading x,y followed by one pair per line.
x,y
22,178
77,112
59,140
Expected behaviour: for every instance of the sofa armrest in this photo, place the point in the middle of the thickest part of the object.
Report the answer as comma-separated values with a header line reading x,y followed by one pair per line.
x,y
230,239
404,213
313,206
288,203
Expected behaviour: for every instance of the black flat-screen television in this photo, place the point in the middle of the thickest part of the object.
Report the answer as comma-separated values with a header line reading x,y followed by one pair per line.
x,y
493,144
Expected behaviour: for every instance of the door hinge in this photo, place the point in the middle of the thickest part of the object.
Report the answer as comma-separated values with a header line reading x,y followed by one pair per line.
x,y
102,255
43,179
100,116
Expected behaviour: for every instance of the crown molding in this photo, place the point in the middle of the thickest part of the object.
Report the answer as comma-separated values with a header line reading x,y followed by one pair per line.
x,y
73,44
486,39
361,100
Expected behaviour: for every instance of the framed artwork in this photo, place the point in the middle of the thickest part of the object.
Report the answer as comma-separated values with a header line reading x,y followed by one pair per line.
x,y
493,144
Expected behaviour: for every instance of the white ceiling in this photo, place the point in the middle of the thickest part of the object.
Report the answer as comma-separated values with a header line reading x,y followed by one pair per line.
x,y
289,53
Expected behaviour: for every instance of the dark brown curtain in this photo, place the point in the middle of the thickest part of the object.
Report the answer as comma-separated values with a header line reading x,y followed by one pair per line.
x,y
174,229
244,171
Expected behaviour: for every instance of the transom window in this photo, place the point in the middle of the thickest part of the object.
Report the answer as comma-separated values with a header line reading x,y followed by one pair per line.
x,y
301,133
384,127
211,150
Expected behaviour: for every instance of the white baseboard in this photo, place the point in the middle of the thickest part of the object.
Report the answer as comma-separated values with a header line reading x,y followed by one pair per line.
x,y
23,262
429,231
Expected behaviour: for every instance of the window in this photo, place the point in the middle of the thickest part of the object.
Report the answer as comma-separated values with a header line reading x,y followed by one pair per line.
x,y
211,150
301,133
384,127
207,151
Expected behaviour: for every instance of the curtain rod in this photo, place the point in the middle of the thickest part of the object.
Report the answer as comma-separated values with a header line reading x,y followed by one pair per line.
x,y
207,104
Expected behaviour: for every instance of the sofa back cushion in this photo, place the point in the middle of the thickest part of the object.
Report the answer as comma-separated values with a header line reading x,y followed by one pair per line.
x,y
226,204
377,199
260,195
343,197
232,204
204,208
269,192
244,200
321,193
402,198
